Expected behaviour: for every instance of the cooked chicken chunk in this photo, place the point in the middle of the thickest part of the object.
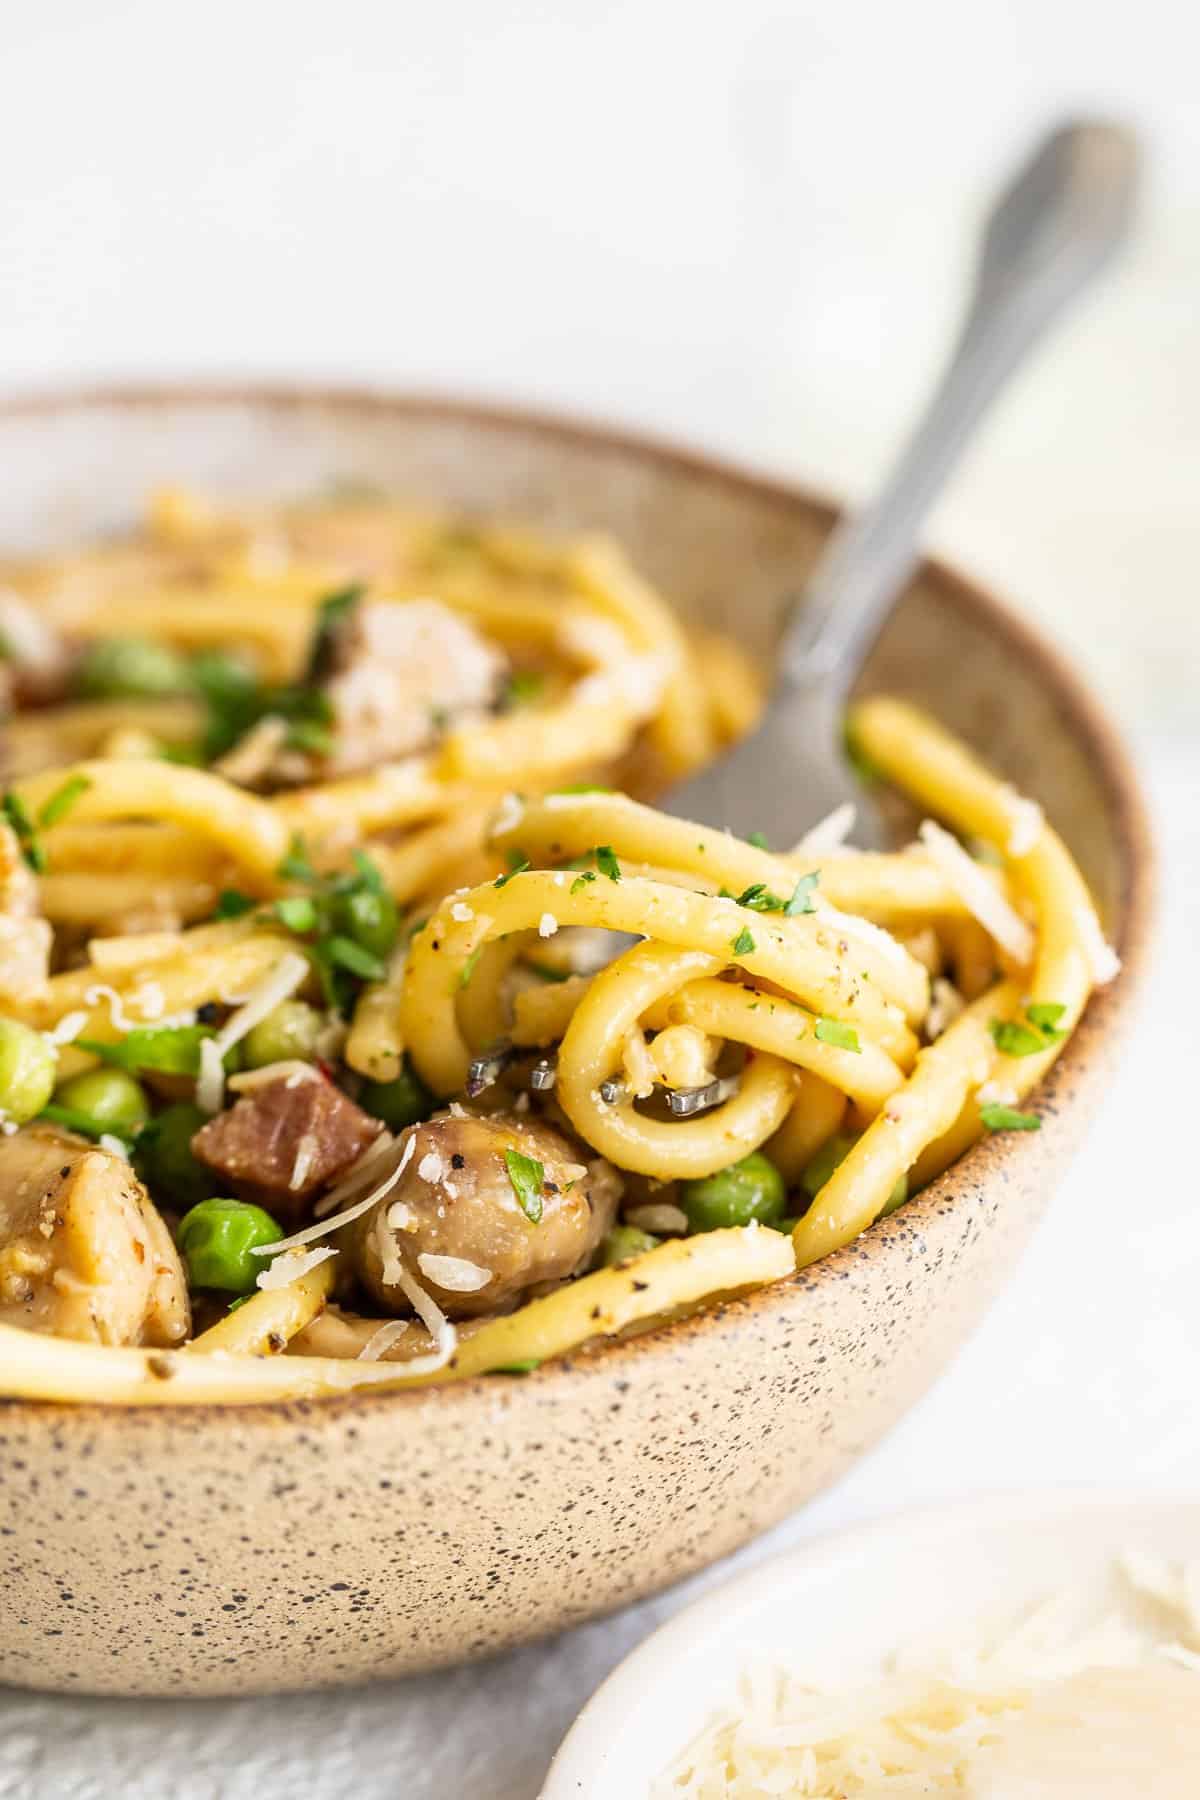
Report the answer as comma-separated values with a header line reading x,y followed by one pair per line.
x,y
285,1140
83,1252
456,1220
400,672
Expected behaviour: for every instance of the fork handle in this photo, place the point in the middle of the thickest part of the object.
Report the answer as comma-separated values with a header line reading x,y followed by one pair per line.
x,y
1064,216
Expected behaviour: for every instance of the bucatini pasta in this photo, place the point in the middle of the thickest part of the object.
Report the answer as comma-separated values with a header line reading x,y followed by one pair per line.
x,y
362,1023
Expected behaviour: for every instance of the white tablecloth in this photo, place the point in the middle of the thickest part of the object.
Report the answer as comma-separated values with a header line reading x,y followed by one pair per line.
x,y
746,225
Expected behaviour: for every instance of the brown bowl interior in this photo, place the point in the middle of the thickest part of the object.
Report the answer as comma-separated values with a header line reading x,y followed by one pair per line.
x,y
681,1444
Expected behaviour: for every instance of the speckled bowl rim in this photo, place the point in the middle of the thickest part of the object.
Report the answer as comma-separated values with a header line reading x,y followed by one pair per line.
x,y
1087,721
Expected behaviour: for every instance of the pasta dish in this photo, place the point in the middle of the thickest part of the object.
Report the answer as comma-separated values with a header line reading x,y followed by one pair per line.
x,y
362,1021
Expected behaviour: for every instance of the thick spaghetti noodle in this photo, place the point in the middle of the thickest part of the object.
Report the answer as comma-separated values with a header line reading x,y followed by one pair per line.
x,y
328,1061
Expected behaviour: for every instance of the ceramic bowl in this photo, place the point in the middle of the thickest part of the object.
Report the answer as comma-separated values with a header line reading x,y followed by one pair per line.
x,y
255,1549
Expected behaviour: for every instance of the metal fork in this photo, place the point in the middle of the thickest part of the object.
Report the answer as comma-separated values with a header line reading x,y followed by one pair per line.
x,y
1066,213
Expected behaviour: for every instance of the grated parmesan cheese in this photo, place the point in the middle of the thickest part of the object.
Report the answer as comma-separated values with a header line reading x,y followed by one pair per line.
x,y
358,1172
279,984
1103,960
461,913
454,1273
381,1341
1050,1712
291,1071
999,919
290,1265
303,1160
509,815
67,1029
443,1333
324,1226
116,1006
547,925
1026,823
829,833
252,756
149,999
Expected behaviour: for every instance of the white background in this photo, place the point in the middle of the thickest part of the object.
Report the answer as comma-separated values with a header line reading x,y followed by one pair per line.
x,y
748,224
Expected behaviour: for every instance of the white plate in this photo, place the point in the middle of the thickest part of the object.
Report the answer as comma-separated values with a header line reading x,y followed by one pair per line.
x,y
843,1603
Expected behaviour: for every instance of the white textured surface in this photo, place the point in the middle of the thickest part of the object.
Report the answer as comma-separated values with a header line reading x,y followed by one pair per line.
x,y
744,225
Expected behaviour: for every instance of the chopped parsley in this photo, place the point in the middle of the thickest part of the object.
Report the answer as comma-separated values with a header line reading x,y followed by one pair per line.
x,y
345,953
759,840
833,1031
13,808
527,1177
802,900
759,898
334,614
296,865
522,688
525,1367
348,921
743,943
1045,1015
235,701
606,862
232,905
232,700
298,912
583,787
1016,1038
62,800
1007,1118
313,736
469,967
517,865
581,881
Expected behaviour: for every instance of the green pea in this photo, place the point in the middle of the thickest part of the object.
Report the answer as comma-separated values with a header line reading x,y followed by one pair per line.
x,y
163,1156
108,1096
747,1190
27,1065
216,1239
830,1156
290,1031
622,1242
369,916
401,1102
130,669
